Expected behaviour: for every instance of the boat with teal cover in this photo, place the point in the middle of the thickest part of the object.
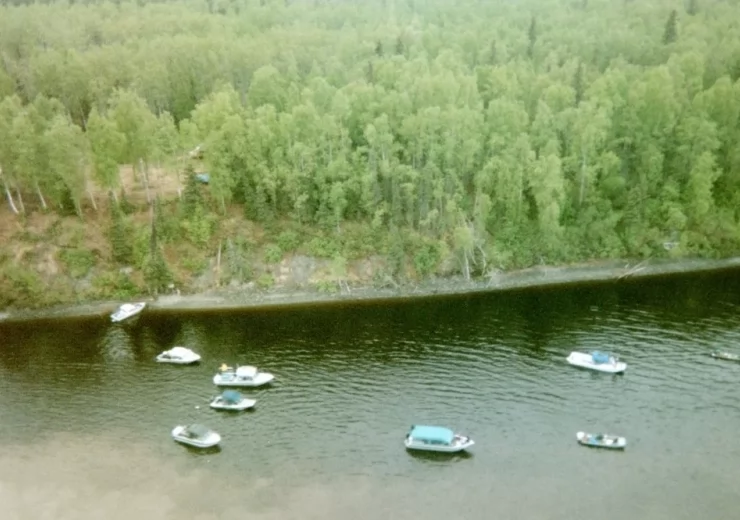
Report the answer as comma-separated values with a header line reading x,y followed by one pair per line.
x,y
599,361
436,438
232,400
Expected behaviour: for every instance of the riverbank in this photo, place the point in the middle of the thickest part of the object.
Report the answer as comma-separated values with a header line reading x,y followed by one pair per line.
x,y
254,298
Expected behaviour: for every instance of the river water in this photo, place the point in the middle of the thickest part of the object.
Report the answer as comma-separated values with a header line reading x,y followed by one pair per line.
x,y
85,413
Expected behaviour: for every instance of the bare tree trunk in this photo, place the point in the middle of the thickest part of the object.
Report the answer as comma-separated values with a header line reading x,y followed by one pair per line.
x,y
92,199
20,201
9,196
218,266
582,191
144,168
41,196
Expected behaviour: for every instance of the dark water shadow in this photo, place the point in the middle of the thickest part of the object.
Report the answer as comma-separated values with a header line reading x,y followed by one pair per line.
x,y
200,452
438,456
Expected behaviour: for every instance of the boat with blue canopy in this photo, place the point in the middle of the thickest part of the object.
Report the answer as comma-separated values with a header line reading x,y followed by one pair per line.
x,y
597,360
436,438
232,400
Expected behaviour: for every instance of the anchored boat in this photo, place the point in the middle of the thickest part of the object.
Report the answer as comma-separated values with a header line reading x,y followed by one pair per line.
x,y
241,376
599,361
232,400
196,435
178,356
126,311
727,356
601,440
436,438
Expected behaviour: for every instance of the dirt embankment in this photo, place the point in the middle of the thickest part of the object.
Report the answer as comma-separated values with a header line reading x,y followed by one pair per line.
x,y
611,271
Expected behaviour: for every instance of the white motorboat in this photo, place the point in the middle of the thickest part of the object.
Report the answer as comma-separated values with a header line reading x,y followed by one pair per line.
x,y
436,438
601,440
232,400
196,435
727,356
597,361
178,356
241,376
126,311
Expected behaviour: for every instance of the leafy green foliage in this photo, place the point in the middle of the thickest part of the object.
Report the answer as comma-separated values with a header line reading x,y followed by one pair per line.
x,y
113,285
273,254
435,146
288,241
77,261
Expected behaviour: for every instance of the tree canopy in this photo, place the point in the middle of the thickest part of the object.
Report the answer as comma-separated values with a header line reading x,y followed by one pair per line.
x,y
511,133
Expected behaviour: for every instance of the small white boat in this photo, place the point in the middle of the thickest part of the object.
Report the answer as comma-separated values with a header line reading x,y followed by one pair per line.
x,y
126,311
601,440
232,400
196,435
727,356
178,356
242,376
597,361
436,438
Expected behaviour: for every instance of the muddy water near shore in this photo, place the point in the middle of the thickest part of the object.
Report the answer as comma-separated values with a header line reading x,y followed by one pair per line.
x,y
86,414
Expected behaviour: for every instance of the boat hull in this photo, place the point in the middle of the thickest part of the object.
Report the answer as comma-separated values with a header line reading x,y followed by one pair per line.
x,y
245,404
440,448
180,361
208,442
262,378
610,442
581,360
725,356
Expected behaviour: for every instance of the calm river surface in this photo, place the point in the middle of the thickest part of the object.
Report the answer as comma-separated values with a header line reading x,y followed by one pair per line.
x,y
85,413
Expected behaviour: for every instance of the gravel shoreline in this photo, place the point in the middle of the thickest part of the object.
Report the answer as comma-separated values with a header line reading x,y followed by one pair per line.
x,y
536,277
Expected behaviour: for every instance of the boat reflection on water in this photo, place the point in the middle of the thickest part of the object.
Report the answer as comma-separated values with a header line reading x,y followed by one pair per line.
x,y
117,345
199,452
439,456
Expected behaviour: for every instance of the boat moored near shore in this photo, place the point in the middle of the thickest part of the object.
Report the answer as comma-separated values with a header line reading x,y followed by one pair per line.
x,y
126,311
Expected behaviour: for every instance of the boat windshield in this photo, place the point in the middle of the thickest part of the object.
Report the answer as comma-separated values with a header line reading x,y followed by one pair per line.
x,y
197,431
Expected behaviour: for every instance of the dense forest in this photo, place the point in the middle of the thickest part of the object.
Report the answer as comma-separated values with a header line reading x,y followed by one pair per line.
x,y
446,137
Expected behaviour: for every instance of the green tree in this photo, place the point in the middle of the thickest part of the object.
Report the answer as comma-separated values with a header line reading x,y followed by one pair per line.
x,y
671,28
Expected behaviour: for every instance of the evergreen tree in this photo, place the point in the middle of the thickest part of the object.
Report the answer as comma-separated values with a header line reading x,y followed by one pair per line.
x,y
532,36
671,28
157,274
121,247
492,53
192,196
400,47
693,7
578,86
